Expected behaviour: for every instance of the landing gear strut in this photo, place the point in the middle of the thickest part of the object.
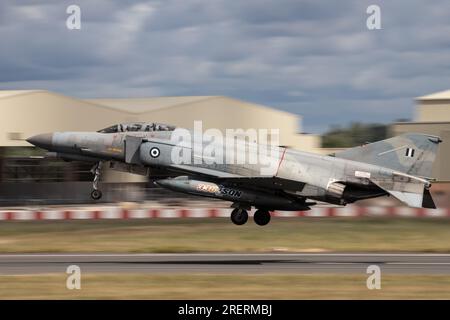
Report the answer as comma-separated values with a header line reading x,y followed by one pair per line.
x,y
96,171
261,217
239,216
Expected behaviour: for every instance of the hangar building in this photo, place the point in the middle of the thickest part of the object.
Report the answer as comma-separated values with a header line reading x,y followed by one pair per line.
x,y
29,112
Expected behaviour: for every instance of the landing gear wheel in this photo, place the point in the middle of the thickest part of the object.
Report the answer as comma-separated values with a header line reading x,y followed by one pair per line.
x,y
96,194
261,217
239,216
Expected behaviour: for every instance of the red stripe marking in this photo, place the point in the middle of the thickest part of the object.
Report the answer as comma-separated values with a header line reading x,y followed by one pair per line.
x,y
183,213
38,215
212,213
391,211
281,160
67,215
331,212
361,211
420,212
96,214
125,214
155,213
9,215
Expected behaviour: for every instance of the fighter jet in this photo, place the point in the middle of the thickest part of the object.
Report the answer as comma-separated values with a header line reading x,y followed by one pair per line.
x,y
399,167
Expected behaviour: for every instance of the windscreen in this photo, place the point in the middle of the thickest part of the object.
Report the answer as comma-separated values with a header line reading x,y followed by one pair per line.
x,y
134,127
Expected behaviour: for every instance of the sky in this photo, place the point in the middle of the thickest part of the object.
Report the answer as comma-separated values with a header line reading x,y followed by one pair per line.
x,y
316,59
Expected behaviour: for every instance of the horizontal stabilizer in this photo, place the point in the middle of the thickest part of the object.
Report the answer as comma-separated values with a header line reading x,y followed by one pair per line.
x,y
412,193
409,198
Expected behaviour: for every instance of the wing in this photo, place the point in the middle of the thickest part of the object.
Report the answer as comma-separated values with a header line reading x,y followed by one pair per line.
x,y
204,171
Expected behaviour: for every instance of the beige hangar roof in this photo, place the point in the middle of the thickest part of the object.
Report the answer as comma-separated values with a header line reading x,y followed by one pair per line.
x,y
12,93
142,105
441,95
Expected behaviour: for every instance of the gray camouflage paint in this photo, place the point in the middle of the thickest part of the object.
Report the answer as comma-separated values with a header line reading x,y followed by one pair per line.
x,y
372,170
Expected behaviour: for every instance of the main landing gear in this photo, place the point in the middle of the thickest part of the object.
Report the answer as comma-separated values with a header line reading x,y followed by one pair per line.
x,y
240,216
261,217
96,171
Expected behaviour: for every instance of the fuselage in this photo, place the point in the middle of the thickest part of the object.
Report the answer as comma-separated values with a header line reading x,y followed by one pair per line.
x,y
295,173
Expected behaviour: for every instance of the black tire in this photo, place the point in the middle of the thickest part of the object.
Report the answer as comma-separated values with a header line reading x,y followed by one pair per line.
x,y
239,216
261,217
96,194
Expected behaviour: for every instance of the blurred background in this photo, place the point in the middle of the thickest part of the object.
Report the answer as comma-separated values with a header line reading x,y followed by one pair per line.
x,y
27,177
314,70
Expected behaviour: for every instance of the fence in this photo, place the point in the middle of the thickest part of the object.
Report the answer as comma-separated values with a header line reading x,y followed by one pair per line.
x,y
116,212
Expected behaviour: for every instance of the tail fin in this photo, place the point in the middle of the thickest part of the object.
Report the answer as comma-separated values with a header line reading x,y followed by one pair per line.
x,y
411,153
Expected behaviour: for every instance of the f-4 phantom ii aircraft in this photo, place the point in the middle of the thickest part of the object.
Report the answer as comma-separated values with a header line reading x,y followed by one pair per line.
x,y
399,167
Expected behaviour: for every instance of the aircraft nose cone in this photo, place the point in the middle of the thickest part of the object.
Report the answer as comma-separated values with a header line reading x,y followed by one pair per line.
x,y
41,140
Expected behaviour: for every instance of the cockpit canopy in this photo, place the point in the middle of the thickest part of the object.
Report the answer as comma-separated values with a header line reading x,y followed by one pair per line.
x,y
138,126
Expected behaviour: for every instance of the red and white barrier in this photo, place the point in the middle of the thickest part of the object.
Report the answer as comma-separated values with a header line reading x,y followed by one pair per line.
x,y
145,213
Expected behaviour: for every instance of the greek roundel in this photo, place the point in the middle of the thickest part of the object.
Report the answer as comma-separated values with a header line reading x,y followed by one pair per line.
x,y
409,152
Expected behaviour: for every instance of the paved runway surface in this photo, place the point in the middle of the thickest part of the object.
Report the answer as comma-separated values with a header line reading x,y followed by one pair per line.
x,y
226,263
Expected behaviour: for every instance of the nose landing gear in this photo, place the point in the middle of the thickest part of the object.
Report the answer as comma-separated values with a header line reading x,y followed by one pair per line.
x,y
96,194
96,171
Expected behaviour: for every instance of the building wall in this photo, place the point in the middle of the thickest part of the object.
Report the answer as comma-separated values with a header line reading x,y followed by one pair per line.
x,y
309,143
28,114
433,111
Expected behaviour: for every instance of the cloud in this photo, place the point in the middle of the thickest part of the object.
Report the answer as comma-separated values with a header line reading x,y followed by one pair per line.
x,y
314,59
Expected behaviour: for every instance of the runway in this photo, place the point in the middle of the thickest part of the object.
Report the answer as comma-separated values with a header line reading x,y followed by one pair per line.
x,y
301,263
